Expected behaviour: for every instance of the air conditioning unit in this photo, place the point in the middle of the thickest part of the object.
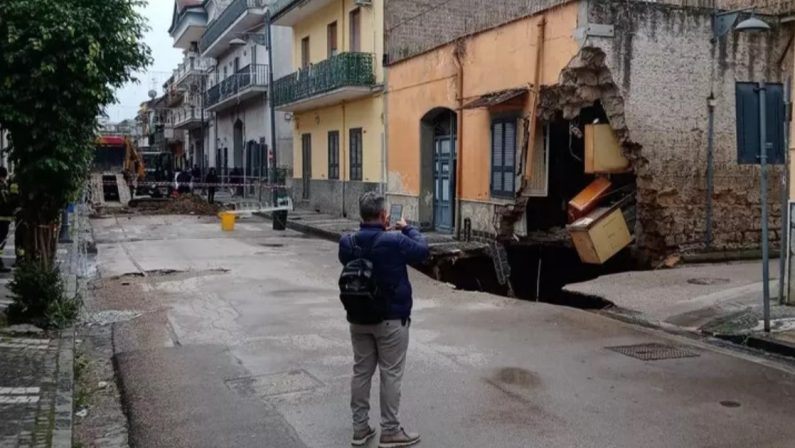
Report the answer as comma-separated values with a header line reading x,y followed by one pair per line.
x,y
363,2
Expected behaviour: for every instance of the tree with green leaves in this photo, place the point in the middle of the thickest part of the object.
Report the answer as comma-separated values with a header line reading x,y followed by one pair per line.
x,y
60,63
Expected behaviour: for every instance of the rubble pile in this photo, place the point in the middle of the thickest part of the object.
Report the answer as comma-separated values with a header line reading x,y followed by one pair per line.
x,y
184,204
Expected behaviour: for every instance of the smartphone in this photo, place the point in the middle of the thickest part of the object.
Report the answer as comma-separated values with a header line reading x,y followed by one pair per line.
x,y
395,213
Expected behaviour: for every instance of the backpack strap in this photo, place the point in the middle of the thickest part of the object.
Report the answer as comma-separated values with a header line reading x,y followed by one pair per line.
x,y
358,252
372,245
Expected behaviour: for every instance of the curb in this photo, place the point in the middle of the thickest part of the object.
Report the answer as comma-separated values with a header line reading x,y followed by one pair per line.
x,y
762,342
307,229
64,391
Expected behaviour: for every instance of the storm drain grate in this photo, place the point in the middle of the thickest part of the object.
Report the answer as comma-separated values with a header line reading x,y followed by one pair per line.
x,y
653,351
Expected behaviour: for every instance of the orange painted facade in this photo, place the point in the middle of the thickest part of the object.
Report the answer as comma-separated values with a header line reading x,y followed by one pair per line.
x,y
494,60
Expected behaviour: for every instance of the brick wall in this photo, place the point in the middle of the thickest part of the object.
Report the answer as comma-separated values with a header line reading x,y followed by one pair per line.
x,y
413,26
663,61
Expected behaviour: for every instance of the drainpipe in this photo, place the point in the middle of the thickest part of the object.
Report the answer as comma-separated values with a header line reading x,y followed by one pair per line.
x,y
542,28
710,167
459,139
344,138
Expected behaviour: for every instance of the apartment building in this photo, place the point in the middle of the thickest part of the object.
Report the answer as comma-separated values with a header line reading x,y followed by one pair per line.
x,y
335,99
223,82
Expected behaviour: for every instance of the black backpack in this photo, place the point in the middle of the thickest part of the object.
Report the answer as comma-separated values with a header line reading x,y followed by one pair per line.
x,y
359,290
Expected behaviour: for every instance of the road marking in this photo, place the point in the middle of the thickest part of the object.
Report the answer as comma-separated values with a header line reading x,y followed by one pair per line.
x,y
21,399
19,390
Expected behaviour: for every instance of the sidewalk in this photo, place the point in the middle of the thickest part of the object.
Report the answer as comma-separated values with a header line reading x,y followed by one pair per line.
x,y
722,300
36,371
28,368
332,228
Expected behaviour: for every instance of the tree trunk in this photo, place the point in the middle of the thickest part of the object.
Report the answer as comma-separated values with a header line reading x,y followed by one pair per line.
x,y
37,241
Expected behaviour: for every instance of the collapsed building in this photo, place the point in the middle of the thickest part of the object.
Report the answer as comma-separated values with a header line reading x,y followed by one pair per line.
x,y
490,135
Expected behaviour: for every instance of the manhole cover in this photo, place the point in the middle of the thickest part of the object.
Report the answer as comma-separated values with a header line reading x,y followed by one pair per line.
x,y
708,281
272,245
730,404
274,384
653,351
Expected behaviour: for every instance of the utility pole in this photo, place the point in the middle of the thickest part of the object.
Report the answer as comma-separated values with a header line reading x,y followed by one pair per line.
x,y
763,147
274,173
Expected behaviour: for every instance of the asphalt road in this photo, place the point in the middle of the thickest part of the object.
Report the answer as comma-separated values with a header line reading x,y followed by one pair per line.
x,y
238,340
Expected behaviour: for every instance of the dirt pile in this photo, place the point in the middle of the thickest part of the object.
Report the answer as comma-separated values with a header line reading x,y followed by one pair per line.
x,y
185,204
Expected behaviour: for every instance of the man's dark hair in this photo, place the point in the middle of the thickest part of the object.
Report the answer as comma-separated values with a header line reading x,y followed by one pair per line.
x,y
371,204
3,171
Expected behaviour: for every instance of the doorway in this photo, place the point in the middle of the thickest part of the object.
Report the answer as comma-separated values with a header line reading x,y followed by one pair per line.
x,y
237,162
306,164
443,176
437,170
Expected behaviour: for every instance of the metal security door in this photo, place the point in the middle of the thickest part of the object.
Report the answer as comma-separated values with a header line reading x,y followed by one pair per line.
x,y
444,183
306,163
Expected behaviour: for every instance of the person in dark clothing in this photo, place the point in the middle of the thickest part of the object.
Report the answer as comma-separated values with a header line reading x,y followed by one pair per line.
x,y
7,209
212,182
196,177
384,344
183,182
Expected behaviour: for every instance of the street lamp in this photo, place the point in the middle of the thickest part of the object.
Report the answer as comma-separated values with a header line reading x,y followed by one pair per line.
x,y
263,39
722,24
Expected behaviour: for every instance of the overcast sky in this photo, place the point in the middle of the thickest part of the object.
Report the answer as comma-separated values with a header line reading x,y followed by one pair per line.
x,y
166,58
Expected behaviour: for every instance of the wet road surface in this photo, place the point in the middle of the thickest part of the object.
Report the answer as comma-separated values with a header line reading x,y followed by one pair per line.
x,y
238,340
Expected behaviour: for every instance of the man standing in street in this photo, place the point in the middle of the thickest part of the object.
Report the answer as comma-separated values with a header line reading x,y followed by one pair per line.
x,y
382,337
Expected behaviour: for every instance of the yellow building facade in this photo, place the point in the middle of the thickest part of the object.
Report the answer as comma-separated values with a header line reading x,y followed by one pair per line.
x,y
335,96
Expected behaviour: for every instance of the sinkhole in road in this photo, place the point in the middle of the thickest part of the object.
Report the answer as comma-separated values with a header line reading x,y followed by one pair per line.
x,y
538,273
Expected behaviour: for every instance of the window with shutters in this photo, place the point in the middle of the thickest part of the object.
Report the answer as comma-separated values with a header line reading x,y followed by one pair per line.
x,y
355,21
503,157
356,154
334,155
331,36
305,52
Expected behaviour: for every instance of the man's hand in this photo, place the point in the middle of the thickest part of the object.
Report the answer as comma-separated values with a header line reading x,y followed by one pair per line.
x,y
401,224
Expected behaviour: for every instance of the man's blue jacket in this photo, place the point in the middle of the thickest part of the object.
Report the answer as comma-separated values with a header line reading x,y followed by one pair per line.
x,y
390,255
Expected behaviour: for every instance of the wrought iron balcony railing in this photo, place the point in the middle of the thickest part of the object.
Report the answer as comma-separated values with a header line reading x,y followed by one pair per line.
x,y
218,26
342,70
245,78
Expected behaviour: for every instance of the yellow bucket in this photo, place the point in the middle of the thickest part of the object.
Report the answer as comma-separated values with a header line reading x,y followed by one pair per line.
x,y
227,222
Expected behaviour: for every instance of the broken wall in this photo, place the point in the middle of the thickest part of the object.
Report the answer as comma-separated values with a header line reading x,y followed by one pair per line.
x,y
665,65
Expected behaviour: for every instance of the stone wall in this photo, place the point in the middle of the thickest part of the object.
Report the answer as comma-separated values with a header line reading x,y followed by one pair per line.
x,y
663,62
414,26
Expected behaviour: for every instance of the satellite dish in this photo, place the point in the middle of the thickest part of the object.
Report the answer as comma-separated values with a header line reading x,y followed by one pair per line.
x,y
152,94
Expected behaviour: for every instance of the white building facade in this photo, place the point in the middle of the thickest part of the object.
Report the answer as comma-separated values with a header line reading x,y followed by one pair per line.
x,y
223,79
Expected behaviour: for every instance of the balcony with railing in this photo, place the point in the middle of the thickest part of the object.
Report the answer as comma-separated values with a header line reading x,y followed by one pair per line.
x,y
343,77
248,82
290,12
239,17
190,70
187,117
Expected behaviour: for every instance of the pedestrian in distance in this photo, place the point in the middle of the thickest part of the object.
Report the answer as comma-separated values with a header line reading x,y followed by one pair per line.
x,y
183,182
376,293
212,182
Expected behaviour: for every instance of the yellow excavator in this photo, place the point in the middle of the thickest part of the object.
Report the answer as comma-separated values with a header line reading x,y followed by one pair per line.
x,y
118,167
